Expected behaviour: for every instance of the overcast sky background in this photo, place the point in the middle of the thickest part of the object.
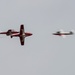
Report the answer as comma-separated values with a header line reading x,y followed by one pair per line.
x,y
43,53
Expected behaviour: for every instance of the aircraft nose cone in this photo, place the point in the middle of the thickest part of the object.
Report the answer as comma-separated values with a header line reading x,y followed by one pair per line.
x,y
31,34
28,34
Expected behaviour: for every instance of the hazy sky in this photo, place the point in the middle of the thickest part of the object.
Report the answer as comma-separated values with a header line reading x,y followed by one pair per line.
x,y
43,53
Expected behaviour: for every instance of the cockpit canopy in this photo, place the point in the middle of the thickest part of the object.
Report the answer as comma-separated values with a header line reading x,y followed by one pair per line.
x,y
9,32
58,32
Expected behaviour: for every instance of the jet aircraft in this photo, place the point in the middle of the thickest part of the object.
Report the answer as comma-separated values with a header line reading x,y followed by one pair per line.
x,y
63,34
21,34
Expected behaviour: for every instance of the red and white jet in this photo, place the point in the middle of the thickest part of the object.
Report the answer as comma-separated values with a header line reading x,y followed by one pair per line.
x,y
21,34
63,34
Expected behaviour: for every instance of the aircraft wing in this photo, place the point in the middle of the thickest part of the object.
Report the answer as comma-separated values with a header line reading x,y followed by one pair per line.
x,y
22,40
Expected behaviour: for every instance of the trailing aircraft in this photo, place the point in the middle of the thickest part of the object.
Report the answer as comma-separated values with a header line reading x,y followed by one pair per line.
x,y
63,34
